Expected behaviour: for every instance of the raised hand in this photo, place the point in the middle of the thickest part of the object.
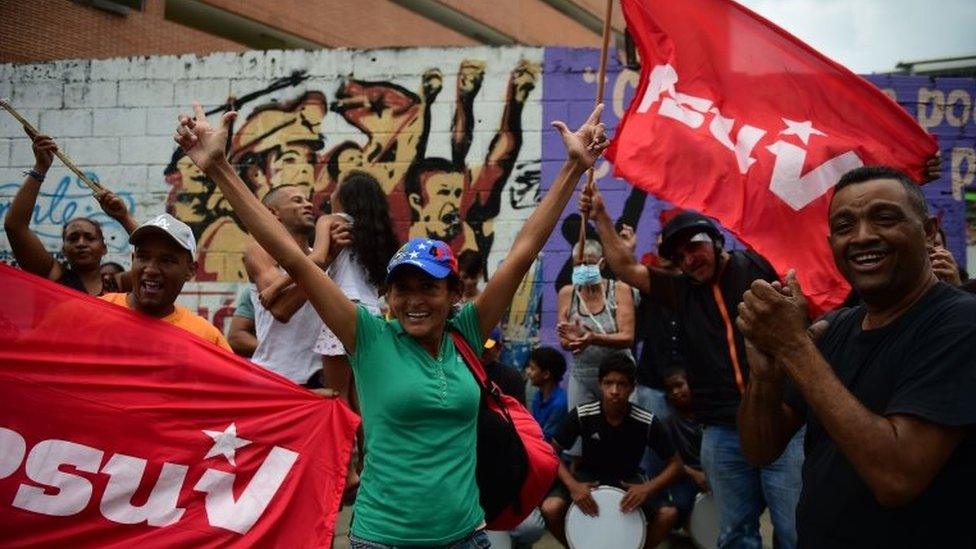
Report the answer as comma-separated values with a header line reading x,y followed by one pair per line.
x,y
587,143
43,147
591,203
340,233
112,204
627,235
944,266
203,143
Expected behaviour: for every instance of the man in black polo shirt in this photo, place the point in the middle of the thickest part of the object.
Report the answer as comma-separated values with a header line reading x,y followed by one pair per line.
x,y
614,435
706,296
888,394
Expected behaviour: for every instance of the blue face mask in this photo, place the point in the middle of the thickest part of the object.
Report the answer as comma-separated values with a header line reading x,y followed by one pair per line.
x,y
586,275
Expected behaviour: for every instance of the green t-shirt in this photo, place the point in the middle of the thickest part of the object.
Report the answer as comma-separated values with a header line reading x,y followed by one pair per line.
x,y
420,420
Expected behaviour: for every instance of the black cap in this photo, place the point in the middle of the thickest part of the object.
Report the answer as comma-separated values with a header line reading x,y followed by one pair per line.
x,y
685,225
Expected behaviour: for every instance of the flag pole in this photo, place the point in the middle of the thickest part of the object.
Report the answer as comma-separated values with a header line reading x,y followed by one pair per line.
x,y
600,77
32,131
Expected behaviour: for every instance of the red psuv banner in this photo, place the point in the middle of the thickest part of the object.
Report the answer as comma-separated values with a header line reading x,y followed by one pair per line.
x,y
120,430
738,119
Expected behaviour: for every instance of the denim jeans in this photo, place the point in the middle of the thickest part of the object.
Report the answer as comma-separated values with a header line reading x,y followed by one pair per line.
x,y
475,540
741,490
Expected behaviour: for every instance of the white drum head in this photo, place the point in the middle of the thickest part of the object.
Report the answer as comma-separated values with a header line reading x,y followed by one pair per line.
x,y
611,528
703,522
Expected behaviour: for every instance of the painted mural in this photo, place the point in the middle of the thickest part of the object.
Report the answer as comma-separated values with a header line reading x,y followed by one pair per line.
x,y
457,137
454,199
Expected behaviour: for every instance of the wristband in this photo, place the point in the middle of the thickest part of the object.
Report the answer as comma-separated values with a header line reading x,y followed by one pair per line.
x,y
36,175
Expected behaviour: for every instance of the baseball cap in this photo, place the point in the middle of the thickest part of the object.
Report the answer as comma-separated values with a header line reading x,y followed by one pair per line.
x,y
434,257
687,224
170,226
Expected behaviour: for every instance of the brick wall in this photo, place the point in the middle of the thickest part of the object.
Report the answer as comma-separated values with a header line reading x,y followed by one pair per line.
x,y
59,29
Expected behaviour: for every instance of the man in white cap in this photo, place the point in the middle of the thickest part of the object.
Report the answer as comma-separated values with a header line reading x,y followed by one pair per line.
x,y
162,262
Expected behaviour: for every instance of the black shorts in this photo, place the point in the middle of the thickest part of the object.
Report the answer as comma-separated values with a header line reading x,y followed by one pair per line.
x,y
650,506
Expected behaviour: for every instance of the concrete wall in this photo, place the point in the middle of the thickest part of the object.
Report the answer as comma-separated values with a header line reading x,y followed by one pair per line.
x,y
310,118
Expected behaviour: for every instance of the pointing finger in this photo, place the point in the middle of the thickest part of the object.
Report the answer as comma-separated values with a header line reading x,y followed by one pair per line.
x,y
198,111
595,115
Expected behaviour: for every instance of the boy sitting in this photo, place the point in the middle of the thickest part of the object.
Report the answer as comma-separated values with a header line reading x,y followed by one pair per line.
x,y
686,436
545,369
614,434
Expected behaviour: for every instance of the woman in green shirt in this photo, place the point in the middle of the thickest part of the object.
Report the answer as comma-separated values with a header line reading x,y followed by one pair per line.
x,y
419,402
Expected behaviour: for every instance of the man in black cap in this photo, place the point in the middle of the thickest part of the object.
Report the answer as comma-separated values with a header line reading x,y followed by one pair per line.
x,y
706,296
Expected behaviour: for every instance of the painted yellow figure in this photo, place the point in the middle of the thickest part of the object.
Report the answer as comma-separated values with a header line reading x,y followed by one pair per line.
x,y
395,122
278,143
196,201
275,146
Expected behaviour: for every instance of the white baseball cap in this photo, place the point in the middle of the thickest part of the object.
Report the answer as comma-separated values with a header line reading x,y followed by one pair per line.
x,y
170,226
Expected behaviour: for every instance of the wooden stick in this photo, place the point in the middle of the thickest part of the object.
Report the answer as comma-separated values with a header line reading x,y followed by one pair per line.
x,y
601,76
32,131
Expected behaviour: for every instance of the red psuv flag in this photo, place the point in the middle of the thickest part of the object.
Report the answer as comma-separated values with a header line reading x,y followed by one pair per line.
x,y
120,430
736,118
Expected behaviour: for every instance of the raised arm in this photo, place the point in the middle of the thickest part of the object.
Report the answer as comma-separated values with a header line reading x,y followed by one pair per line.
x,y
204,144
619,256
28,250
263,271
582,148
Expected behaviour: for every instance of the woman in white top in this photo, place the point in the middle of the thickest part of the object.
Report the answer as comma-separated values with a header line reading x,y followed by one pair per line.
x,y
360,269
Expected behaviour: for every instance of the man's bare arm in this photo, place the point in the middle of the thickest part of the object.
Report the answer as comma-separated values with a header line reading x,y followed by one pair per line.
x,y
263,271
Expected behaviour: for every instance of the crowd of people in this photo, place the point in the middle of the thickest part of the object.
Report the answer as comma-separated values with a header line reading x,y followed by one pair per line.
x,y
699,372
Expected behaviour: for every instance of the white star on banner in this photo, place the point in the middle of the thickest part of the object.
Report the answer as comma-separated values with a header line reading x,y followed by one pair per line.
x,y
226,442
421,246
413,255
803,130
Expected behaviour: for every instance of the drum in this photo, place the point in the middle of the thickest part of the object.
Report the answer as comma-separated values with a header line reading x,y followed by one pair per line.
x,y
611,528
703,522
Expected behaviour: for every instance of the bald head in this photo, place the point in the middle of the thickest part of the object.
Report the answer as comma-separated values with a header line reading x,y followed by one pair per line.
x,y
278,195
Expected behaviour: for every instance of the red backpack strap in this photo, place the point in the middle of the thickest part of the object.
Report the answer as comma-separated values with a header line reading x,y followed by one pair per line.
x,y
470,358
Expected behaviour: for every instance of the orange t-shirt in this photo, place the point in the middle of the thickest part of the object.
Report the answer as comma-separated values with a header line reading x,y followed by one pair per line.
x,y
182,318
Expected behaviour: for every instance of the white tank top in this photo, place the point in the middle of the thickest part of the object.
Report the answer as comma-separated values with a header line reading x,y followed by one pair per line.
x,y
286,348
352,278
